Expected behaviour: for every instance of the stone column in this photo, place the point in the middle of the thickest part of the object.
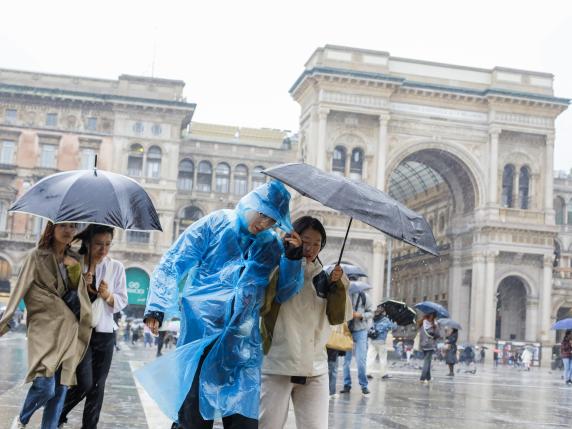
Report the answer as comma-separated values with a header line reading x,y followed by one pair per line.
x,y
545,304
531,319
477,298
549,179
377,274
489,304
493,166
383,144
454,288
321,149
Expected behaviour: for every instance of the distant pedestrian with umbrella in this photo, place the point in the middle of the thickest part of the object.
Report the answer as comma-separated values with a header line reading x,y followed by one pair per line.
x,y
451,345
58,322
428,334
566,355
382,325
107,290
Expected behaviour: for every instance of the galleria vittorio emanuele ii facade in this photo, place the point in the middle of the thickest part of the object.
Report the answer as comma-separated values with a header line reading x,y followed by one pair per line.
x,y
471,149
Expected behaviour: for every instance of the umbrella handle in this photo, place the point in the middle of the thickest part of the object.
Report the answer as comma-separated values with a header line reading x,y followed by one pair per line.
x,y
345,239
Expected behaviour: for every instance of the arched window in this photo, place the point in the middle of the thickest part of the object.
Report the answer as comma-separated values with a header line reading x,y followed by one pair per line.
x,y
257,177
189,215
240,182
135,160
186,175
557,254
507,185
222,178
524,187
339,160
5,274
356,164
154,162
559,207
570,213
204,176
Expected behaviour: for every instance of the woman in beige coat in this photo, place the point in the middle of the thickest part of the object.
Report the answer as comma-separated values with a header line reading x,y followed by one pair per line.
x,y
57,338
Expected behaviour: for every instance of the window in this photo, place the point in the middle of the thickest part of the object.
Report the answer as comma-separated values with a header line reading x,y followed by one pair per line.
x,y
570,212
154,162
507,185
7,148
240,182
138,237
523,188
3,215
135,161
10,115
257,177
204,176
51,119
186,175
441,222
138,128
356,164
91,124
156,129
88,159
189,215
559,207
47,156
222,178
339,160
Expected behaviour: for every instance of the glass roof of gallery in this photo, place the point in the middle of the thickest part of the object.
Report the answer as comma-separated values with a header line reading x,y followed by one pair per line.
x,y
411,178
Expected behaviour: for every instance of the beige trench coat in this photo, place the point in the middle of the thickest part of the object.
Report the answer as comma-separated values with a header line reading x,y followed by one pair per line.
x,y
55,337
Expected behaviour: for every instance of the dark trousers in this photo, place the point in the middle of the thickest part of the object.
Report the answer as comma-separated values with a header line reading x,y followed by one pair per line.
x,y
160,342
426,371
91,374
190,416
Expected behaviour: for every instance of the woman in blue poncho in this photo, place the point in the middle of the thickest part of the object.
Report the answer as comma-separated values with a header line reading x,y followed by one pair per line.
x,y
228,257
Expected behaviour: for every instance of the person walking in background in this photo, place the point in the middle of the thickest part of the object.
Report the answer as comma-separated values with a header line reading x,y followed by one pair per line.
x,y
147,336
295,334
382,325
451,352
427,336
362,315
58,322
105,278
566,355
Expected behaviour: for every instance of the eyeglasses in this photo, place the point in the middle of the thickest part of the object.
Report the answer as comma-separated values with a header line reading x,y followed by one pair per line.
x,y
265,221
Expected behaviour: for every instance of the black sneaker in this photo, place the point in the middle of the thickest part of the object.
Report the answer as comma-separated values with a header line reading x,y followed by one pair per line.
x,y
370,377
346,389
365,391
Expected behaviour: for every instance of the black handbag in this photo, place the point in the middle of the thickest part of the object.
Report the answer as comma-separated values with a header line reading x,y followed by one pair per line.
x,y
71,298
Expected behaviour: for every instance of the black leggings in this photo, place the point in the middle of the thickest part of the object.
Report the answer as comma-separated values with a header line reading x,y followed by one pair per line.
x,y
190,416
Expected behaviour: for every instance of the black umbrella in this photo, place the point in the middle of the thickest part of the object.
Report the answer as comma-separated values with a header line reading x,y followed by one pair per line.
x,y
360,201
91,196
399,312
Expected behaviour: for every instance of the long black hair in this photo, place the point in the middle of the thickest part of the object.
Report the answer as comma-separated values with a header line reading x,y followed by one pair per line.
x,y
308,222
87,235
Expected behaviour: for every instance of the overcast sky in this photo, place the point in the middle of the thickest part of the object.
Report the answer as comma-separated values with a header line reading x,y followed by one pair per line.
x,y
240,57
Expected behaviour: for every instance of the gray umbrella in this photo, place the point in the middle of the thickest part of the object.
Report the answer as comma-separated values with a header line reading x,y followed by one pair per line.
x,y
360,201
449,323
356,286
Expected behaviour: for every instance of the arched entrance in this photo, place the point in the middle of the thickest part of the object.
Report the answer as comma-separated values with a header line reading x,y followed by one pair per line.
x,y
511,309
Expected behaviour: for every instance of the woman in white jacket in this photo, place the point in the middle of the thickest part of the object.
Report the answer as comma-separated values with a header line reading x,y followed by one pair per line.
x,y
105,278
295,335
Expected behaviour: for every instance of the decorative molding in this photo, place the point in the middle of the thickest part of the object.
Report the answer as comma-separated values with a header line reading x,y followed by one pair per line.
x,y
455,114
517,118
370,101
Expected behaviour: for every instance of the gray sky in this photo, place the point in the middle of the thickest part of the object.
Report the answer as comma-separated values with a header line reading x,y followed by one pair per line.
x,y
239,58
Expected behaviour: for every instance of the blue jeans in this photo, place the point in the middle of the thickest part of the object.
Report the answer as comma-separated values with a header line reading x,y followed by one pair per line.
x,y
426,371
567,368
45,392
360,350
333,375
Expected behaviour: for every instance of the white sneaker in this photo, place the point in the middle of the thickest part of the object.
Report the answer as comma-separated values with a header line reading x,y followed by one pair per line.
x,y
334,396
16,424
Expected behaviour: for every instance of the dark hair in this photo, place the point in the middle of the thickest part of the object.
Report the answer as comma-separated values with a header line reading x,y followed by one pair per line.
x,y
49,234
308,222
87,234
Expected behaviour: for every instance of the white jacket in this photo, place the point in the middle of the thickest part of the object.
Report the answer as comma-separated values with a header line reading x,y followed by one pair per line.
x,y
302,331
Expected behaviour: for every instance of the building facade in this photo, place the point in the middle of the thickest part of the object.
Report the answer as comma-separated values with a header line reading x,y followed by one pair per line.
x,y
471,149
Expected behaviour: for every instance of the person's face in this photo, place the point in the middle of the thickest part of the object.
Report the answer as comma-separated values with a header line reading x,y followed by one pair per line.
x,y
260,222
64,233
100,245
312,242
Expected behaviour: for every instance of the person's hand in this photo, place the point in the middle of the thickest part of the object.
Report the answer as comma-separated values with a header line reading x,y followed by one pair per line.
x,y
336,274
152,324
103,290
357,315
293,239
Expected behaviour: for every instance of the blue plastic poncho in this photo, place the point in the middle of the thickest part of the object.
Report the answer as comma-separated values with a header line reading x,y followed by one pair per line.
x,y
228,270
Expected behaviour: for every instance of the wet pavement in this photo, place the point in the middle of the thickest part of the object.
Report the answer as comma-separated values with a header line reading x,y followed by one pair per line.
x,y
492,398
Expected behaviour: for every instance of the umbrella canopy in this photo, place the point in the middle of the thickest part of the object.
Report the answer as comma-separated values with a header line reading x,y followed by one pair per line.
x,y
449,323
91,196
399,312
349,269
563,325
357,286
429,307
360,201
